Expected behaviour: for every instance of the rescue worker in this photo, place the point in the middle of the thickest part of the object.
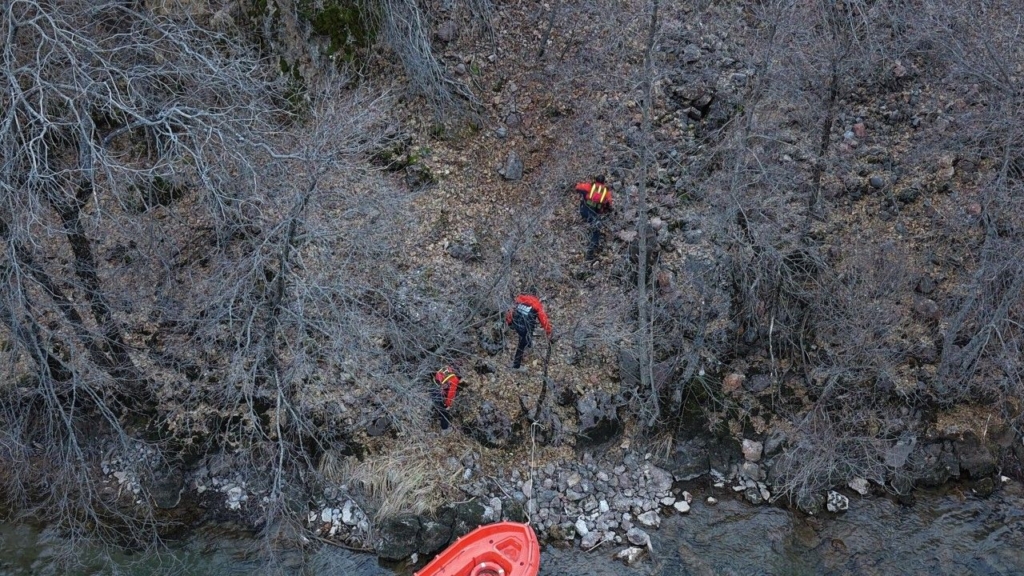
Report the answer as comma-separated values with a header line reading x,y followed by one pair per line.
x,y
447,384
523,316
595,204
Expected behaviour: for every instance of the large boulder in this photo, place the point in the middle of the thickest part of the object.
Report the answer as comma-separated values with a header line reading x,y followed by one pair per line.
x,y
434,535
689,459
598,417
492,426
976,459
935,464
398,537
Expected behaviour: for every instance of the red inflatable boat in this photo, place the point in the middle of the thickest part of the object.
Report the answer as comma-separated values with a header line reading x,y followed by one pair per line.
x,y
502,549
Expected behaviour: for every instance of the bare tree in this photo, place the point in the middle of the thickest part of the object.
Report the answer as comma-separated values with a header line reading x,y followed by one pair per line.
x,y
109,115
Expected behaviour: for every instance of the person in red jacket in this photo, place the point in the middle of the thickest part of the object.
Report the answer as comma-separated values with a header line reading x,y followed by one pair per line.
x,y
595,204
447,384
526,311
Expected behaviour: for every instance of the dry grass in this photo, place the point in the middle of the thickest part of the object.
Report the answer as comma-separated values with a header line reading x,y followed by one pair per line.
x,y
404,480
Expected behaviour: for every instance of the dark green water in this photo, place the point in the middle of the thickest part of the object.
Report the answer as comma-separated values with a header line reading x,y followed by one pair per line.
x,y
941,535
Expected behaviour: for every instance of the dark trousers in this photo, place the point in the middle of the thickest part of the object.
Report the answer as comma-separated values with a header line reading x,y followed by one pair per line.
x,y
593,220
523,326
443,415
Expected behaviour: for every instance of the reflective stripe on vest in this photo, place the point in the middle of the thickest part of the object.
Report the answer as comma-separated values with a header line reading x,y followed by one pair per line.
x,y
597,194
447,378
524,309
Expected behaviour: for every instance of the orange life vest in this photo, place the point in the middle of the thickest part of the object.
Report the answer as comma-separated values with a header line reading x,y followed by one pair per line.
x,y
449,382
595,195
598,195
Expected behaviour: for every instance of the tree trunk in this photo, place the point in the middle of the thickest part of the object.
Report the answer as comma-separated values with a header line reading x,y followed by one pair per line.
x,y
645,343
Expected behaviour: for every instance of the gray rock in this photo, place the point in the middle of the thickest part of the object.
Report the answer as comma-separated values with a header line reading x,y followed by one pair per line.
x,y
757,383
976,460
837,502
513,169
689,460
752,471
935,464
752,450
983,487
638,537
876,182
650,519
753,495
590,540
527,488
399,537
691,53
447,31
492,426
809,503
660,480
434,536
859,485
927,308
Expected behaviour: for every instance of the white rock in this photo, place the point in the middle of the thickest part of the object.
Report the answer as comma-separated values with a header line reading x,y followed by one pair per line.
x,y
649,519
630,555
712,500
581,527
325,515
1004,478
739,488
859,485
668,501
688,497
121,476
602,506
752,450
765,494
348,513
312,517
682,506
527,488
837,502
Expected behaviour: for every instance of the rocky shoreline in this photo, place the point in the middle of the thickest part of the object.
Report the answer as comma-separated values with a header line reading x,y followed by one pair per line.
x,y
612,498
599,501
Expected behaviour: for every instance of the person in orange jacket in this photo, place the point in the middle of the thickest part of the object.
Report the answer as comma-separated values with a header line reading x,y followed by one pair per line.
x,y
443,394
526,311
595,204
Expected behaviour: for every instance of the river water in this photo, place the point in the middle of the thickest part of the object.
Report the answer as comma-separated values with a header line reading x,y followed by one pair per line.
x,y
943,533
